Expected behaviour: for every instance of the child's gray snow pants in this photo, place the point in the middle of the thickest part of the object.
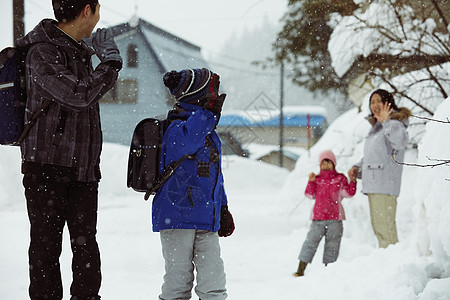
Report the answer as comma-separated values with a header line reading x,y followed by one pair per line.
x,y
332,230
184,249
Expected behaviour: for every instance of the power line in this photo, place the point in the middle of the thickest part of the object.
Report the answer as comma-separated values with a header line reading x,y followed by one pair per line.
x,y
195,20
117,13
233,58
228,56
251,7
236,59
258,73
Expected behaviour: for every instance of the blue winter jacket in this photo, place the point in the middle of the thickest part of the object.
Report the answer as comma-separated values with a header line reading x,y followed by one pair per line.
x,y
192,197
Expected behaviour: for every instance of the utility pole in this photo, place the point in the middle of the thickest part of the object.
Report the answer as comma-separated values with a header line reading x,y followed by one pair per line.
x,y
308,130
18,16
281,111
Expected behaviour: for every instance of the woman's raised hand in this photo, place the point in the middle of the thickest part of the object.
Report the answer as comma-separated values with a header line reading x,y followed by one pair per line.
x,y
385,112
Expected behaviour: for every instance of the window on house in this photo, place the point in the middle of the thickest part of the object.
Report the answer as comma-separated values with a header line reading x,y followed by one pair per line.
x,y
132,56
124,91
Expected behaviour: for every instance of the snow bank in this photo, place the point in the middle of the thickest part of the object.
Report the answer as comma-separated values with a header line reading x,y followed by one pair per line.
x,y
432,188
247,176
10,193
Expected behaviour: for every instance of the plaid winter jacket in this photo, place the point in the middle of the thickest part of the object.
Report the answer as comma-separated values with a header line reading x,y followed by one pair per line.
x,y
68,133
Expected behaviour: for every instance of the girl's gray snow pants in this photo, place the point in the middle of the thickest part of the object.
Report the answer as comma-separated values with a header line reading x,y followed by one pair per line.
x,y
332,230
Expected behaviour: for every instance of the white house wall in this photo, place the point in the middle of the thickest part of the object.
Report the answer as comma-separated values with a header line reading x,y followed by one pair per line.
x,y
157,52
119,120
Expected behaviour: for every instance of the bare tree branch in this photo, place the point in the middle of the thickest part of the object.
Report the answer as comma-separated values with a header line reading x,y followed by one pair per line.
x,y
441,14
441,43
406,96
399,18
441,88
442,162
431,119
381,29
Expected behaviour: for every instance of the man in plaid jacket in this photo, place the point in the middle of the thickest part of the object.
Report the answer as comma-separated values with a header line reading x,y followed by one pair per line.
x,y
61,153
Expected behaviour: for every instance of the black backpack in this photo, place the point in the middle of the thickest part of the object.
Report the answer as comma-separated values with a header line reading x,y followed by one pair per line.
x,y
145,156
13,97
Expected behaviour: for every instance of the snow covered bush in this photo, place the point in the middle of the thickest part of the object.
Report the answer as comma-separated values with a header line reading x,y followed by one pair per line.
x,y
432,188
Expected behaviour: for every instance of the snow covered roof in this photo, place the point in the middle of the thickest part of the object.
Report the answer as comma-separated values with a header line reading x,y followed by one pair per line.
x,y
170,51
260,150
305,109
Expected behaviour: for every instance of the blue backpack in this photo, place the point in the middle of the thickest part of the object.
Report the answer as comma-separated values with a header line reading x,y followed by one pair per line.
x,y
13,97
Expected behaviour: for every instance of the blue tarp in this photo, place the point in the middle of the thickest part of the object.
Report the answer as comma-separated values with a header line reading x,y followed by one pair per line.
x,y
231,120
296,121
234,121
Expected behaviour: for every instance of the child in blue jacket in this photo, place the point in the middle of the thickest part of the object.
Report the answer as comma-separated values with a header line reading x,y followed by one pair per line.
x,y
190,210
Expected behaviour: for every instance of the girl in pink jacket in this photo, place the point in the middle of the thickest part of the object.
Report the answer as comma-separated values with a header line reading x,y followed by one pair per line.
x,y
328,188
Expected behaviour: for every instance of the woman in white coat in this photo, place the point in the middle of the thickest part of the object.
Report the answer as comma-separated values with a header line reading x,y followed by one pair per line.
x,y
380,174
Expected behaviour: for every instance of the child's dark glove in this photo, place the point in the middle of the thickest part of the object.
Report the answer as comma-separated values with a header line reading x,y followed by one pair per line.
x,y
214,104
226,222
214,101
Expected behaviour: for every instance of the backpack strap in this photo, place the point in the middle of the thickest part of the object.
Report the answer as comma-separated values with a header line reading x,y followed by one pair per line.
x,y
32,121
44,105
168,171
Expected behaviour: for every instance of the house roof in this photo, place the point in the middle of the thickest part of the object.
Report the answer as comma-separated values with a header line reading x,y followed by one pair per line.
x,y
169,51
286,153
258,151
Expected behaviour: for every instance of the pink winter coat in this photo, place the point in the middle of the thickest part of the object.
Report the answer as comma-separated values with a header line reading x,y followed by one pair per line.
x,y
329,188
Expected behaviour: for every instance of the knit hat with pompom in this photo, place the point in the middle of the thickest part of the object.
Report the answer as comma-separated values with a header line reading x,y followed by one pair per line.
x,y
192,86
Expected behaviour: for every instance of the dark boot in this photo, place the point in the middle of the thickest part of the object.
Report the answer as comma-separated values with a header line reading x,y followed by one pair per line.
x,y
301,269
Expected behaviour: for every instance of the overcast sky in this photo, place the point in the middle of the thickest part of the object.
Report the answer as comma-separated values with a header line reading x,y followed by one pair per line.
x,y
206,23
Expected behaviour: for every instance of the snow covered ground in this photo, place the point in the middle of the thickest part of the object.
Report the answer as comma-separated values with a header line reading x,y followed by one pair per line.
x,y
272,219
